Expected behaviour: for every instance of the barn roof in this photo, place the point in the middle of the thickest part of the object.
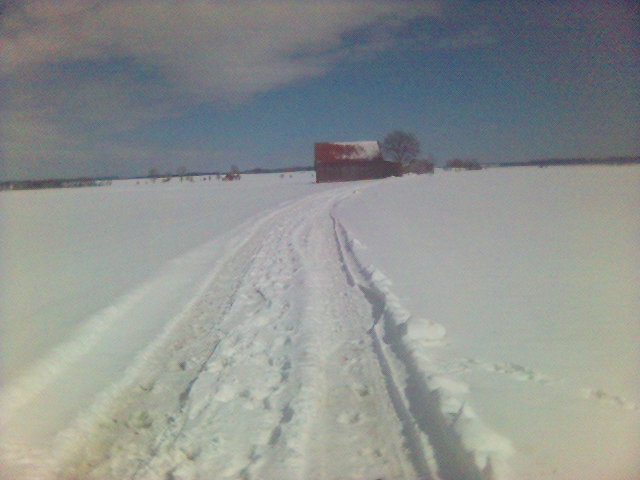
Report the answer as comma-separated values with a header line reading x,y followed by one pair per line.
x,y
347,151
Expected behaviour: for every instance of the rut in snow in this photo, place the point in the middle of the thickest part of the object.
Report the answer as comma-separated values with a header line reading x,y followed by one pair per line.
x,y
417,406
285,368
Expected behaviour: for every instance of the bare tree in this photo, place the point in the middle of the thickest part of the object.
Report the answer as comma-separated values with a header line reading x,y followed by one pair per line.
x,y
401,146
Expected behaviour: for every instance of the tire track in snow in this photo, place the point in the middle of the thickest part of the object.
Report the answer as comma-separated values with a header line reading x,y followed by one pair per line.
x,y
433,443
233,390
275,373
354,432
133,426
87,426
257,302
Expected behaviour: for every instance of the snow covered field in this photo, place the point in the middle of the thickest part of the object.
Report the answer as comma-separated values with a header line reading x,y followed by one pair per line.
x,y
456,326
535,274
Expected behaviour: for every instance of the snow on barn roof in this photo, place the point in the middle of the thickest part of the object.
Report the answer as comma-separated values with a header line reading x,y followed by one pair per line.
x,y
366,149
341,151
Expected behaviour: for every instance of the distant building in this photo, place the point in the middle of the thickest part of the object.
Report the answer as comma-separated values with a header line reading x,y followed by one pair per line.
x,y
345,161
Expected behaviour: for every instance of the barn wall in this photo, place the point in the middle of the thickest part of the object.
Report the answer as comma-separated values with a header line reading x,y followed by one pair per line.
x,y
346,170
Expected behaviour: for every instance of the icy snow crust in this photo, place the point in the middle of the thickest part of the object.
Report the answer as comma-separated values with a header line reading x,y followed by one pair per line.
x,y
458,326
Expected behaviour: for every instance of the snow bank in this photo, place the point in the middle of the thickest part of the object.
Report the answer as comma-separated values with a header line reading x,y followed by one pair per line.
x,y
417,338
91,277
68,254
534,275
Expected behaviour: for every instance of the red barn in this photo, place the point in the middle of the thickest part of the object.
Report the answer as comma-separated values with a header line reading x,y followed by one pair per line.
x,y
339,162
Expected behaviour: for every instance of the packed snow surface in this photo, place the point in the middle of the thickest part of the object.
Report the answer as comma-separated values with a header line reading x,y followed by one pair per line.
x,y
464,325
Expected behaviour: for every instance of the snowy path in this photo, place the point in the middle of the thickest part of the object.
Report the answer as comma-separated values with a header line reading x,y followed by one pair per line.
x,y
283,368
310,342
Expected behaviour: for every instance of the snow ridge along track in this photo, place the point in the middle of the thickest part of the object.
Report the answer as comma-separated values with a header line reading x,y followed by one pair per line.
x,y
286,367
417,405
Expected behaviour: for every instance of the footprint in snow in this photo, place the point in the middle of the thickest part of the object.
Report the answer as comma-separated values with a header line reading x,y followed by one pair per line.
x,y
349,418
361,389
139,419
226,393
513,370
609,399
370,452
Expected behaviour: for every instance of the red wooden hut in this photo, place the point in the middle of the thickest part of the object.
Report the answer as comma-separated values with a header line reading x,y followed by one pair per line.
x,y
339,162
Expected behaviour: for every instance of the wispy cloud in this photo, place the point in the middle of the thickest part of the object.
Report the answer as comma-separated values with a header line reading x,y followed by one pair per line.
x,y
76,75
77,68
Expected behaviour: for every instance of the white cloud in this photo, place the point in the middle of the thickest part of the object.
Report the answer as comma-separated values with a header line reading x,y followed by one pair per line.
x,y
78,69
218,49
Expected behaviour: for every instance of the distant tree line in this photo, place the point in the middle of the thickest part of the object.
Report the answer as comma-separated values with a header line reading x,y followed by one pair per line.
x,y
457,164
548,162
54,183
280,170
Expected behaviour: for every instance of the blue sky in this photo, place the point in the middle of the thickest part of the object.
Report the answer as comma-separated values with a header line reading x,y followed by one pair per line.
x,y
117,87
